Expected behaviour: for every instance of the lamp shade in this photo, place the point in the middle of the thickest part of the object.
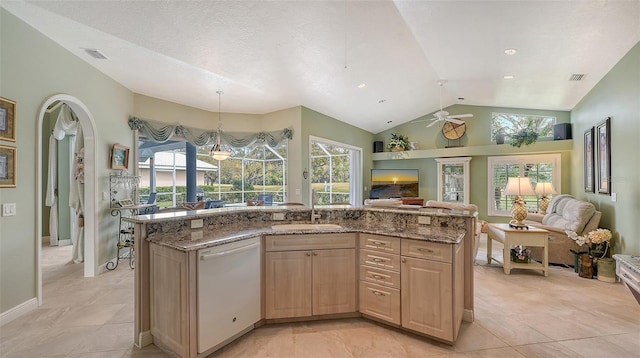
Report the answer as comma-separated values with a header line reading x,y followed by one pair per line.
x,y
519,186
545,188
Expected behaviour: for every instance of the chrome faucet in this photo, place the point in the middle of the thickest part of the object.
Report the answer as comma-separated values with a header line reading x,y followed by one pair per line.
x,y
314,198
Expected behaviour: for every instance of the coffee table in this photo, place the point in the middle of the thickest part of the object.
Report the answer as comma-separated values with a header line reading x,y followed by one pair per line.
x,y
533,237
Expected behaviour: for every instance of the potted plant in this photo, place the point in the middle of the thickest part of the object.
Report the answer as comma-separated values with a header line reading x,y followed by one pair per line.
x,y
520,254
525,136
398,143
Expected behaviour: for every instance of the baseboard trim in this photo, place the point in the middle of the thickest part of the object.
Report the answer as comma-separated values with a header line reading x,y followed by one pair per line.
x,y
467,315
144,339
65,242
17,311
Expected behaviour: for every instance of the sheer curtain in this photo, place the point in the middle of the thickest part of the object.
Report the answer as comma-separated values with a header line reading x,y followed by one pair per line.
x,y
67,125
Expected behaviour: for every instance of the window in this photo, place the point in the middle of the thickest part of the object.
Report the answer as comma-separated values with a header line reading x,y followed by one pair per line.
x,y
336,171
511,123
252,173
540,168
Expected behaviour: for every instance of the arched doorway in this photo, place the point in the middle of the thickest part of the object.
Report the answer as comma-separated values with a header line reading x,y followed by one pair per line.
x,y
90,190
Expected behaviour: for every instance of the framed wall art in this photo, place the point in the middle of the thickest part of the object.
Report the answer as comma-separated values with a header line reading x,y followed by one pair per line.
x,y
120,157
8,167
7,120
589,172
603,133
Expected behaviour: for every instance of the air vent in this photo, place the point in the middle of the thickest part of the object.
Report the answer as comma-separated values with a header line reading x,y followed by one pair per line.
x,y
95,53
577,77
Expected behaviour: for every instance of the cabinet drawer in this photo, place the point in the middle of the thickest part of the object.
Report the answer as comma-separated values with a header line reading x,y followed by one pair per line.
x,y
380,259
427,250
380,302
380,243
310,242
380,276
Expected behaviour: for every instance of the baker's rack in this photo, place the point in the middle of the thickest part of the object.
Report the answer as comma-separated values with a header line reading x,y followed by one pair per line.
x,y
123,190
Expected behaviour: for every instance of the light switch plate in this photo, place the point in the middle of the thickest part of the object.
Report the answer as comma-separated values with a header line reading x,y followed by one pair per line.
x,y
9,209
278,216
614,197
197,235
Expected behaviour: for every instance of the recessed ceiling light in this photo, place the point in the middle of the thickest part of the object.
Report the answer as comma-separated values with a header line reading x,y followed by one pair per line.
x,y
508,77
362,85
389,122
510,51
382,100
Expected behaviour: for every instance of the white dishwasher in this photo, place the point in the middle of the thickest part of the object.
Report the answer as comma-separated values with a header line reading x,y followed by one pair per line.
x,y
228,291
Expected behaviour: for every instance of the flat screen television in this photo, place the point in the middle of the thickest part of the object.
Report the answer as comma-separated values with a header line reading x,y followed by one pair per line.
x,y
394,183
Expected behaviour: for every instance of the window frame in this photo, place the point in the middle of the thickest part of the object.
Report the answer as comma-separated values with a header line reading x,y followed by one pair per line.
x,y
355,172
555,159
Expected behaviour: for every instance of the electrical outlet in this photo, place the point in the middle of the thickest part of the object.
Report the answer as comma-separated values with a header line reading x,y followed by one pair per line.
x,y
424,220
105,196
614,197
197,235
278,216
9,209
197,224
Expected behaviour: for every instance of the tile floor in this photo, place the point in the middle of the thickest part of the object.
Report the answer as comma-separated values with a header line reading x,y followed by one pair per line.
x,y
520,315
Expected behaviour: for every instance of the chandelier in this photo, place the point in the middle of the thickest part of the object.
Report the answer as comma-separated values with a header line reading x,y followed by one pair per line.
x,y
218,152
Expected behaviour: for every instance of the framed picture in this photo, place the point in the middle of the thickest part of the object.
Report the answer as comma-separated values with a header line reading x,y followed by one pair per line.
x,y
8,167
119,157
7,120
589,172
603,133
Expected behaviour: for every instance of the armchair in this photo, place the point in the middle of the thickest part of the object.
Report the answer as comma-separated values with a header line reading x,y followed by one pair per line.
x,y
565,213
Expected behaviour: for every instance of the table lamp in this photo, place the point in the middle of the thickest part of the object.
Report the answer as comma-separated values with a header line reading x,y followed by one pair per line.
x,y
543,189
519,186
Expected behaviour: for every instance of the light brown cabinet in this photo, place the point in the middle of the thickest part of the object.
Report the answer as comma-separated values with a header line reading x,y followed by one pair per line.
x,y
415,284
306,277
432,288
379,274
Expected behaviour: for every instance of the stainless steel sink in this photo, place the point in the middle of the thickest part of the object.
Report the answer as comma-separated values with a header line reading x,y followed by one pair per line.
x,y
306,227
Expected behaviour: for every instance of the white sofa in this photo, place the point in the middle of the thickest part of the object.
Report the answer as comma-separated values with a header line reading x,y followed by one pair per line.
x,y
565,213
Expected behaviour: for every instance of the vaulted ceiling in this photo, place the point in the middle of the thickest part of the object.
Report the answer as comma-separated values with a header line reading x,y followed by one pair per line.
x,y
271,55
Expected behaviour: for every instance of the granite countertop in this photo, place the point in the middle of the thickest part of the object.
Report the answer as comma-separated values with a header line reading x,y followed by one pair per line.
x,y
633,262
196,214
233,233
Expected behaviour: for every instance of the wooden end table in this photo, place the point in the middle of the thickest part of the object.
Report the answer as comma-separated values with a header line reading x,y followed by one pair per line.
x,y
534,237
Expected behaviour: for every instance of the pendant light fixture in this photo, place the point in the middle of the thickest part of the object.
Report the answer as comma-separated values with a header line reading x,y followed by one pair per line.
x,y
217,151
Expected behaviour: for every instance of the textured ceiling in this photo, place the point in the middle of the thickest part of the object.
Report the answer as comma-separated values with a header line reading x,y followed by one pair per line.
x,y
271,55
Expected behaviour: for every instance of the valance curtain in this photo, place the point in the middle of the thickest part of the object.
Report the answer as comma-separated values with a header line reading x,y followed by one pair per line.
x,y
163,132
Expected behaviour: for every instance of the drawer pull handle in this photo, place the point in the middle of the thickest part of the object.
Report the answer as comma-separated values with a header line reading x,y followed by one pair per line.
x,y
630,278
375,259
378,293
378,277
425,250
379,243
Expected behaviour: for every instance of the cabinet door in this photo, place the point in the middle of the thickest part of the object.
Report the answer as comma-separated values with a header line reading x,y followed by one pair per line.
x,y
288,284
334,281
427,299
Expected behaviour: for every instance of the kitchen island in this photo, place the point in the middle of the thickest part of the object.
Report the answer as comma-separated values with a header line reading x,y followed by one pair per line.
x,y
432,244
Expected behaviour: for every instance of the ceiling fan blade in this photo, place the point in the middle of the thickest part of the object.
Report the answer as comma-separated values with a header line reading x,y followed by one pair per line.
x,y
466,115
455,120
432,123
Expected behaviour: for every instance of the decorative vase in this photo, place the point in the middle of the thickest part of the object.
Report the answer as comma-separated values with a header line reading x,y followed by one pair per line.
x,y
499,138
606,269
585,262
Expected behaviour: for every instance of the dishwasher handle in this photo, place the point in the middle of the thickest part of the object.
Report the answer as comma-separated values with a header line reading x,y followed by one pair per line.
x,y
232,251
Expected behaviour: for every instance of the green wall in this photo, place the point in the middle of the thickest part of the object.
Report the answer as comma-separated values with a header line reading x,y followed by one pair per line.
x,y
478,134
320,125
32,68
617,96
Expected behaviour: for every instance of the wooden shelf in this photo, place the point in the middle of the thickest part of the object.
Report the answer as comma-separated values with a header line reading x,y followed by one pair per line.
x,y
552,146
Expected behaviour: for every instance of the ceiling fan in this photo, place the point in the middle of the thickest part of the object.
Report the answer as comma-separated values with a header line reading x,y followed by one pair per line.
x,y
443,115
